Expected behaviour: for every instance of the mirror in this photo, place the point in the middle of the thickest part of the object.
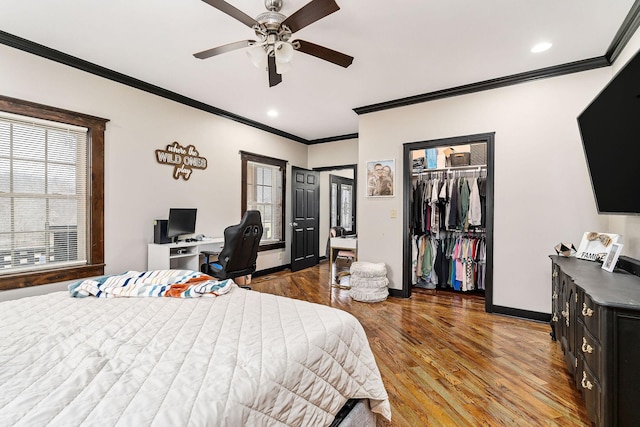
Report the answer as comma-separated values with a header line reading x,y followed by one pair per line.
x,y
338,193
341,203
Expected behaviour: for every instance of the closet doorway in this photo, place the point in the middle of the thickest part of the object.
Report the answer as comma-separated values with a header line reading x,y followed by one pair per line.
x,y
448,216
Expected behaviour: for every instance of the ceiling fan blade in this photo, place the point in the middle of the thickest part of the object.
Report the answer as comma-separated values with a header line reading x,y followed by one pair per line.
x,y
310,13
324,53
224,49
233,12
274,77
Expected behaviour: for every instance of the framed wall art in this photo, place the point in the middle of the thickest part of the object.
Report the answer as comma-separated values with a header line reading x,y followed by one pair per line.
x,y
381,178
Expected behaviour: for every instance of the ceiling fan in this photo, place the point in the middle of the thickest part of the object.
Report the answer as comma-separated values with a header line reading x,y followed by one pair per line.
x,y
274,48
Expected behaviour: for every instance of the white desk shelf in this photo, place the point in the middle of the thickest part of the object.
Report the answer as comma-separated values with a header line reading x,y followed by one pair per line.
x,y
181,255
344,243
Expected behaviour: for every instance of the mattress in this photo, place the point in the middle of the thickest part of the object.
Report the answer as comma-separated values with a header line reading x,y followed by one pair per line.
x,y
243,358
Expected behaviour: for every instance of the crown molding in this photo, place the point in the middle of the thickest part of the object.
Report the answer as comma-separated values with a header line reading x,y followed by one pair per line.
x,y
333,139
625,32
542,73
80,64
622,37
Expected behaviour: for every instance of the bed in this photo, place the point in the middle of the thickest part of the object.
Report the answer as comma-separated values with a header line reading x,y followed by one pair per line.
x,y
242,358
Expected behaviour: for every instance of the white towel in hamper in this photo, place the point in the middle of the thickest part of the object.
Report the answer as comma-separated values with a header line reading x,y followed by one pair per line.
x,y
368,282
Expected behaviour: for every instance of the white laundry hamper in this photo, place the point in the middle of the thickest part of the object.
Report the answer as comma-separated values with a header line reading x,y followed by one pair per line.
x,y
368,282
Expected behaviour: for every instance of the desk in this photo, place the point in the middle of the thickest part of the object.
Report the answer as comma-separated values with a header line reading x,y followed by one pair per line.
x,y
182,255
345,243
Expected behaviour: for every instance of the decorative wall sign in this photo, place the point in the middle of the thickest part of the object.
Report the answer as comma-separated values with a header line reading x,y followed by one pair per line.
x,y
183,159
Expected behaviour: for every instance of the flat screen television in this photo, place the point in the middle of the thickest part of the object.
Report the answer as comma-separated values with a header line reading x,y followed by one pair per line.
x,y
181,221
610,130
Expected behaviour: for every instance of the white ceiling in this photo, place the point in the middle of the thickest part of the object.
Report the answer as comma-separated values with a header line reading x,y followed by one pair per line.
x,y
402,48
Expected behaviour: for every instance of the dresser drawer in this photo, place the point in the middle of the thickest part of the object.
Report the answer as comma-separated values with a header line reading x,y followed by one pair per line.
x,y
590,351
591,391
590,314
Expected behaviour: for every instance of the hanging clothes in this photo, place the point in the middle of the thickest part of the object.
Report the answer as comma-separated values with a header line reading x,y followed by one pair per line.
x,y
482,191
464,204
475,211
454,213
448,248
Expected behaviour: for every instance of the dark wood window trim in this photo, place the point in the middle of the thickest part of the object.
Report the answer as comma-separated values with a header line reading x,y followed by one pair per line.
x,y
282,164
95,239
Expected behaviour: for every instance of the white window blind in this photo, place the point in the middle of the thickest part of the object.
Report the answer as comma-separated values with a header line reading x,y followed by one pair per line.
x,y
43,194
264,193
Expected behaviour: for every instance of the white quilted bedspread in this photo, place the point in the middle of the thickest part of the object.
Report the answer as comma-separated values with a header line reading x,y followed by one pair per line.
x,y
241,359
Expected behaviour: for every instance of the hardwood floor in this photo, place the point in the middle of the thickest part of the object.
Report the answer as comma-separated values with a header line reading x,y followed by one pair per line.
x,y
445,362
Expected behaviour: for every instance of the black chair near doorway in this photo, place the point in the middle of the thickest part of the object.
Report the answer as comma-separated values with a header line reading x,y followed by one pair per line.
x,y
240,251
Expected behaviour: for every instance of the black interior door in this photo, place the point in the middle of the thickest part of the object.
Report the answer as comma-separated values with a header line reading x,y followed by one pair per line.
x,y
305,200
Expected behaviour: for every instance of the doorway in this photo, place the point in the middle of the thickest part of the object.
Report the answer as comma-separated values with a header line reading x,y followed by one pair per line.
x,y
431,163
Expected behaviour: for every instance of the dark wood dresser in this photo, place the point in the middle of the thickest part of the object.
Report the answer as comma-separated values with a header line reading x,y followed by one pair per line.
x,y
596,319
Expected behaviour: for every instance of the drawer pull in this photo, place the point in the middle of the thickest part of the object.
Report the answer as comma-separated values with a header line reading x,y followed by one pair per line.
x,y
585,382
565,313
586,311
586,348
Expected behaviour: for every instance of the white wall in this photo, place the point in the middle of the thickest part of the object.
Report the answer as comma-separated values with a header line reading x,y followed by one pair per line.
x,y
336,153
137,188
627,226
542,190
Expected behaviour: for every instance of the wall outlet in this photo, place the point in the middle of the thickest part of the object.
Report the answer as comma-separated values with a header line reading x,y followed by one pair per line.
x,y
280,256
394,213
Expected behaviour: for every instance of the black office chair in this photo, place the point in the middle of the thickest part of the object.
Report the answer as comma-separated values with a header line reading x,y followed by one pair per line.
x,y
240,250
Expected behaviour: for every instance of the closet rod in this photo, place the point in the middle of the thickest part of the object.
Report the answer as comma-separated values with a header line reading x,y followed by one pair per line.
x,y
454,169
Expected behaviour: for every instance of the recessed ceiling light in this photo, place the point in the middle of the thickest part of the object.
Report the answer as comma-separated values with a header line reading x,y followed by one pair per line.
x,y
272,113
541,47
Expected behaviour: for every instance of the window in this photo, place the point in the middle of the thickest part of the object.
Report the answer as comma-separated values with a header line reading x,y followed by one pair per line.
x,y
43,194
51,194
263,186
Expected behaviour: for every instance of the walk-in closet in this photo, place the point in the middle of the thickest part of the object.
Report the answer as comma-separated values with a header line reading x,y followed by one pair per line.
x,y
448,221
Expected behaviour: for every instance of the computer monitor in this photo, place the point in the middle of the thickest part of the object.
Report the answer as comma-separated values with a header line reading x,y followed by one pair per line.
x,y
181,221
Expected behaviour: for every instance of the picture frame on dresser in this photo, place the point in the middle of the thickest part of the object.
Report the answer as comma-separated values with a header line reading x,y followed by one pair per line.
x,y
611,260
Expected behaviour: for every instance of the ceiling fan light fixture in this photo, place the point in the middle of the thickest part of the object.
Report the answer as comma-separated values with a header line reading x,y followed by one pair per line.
x,y
273,50
283,67
284,52
258,56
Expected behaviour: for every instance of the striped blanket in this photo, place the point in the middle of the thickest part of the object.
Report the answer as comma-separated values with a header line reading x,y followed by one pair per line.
x,y
156,283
